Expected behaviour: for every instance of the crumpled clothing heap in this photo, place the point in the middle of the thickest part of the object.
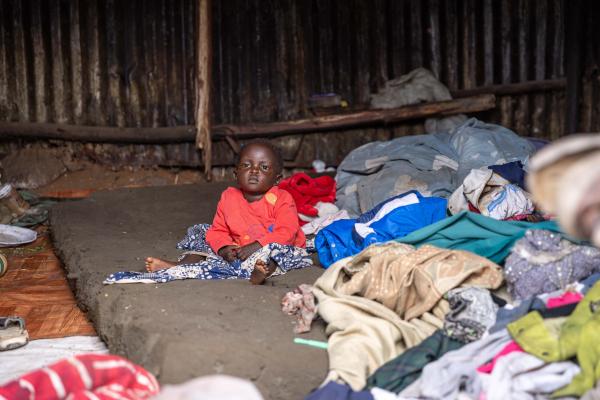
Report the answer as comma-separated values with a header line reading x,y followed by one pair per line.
x,y
313,227
418,85
214,266
577,335
389,298
456,371
433,164
488,193
411,282
397,374
307,192
543,262
392,219
301,303
520,375
472,313
84,376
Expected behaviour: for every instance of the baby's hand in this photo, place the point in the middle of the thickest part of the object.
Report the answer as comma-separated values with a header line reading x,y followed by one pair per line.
x,y
247,250
229,253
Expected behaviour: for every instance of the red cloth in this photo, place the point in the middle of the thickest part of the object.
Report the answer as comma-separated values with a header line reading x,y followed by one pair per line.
x,y
564,299
509,348
272,219
84,376
308,191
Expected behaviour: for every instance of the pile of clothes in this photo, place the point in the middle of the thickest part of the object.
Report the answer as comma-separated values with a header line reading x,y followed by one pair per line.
x,y
481,296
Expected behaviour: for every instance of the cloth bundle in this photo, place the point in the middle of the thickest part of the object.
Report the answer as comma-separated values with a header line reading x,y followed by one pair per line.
x,y
301,303
214,266
472,313
434,164
314,197
488,193
543,262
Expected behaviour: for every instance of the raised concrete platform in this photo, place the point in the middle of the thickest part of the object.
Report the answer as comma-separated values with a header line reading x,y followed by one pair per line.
x,y
184,329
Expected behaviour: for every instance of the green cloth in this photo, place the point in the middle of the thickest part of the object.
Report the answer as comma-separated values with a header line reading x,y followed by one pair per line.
x,y
578,335
397,374
476,233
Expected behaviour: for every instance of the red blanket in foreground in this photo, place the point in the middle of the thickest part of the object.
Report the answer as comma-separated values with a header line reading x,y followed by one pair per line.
x,y
85,376
308,191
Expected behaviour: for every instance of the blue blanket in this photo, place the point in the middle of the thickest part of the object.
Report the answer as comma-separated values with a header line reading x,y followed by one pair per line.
x,y
391,219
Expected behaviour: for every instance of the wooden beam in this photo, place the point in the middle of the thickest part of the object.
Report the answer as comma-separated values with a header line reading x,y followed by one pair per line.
x,y
203,82
109,134
101,134
513,88
361,118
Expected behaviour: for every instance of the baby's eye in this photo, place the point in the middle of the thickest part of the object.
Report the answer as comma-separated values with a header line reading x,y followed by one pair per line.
x,y
245,165
265,167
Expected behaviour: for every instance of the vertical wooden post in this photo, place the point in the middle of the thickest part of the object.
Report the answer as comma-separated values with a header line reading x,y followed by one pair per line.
x,y
203,82
574,30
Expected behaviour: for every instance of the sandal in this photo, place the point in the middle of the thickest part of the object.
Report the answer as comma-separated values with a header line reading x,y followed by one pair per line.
x,y
12,333
3,264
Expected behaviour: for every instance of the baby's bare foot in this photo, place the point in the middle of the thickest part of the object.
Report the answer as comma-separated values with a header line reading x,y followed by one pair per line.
x,y
261,272
154,264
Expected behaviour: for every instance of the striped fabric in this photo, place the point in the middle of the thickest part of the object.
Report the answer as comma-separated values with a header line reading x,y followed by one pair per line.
x,y
84,376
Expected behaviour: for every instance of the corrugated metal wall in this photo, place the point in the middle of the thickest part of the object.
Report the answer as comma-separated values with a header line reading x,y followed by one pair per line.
x,y
105,62
97,62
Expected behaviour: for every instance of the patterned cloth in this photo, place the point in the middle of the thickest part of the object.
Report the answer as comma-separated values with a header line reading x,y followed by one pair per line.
x,y
214,266
542,262
472,313
84,376
403,370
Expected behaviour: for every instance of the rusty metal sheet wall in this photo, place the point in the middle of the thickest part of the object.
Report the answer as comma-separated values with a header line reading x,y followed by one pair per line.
x,y
131,63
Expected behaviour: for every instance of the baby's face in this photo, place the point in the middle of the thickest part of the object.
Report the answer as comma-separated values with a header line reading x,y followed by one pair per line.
x,y
257,171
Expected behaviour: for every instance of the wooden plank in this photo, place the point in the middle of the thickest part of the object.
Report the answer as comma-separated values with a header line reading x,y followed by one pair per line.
x,y
514,88
76,65
450,42
188,133
39,63
574,39
22,90
361,118
58,68
488,43
108,134
115,106
203,82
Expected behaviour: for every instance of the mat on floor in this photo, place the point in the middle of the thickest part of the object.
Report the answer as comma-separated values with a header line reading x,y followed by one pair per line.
x,y
35,288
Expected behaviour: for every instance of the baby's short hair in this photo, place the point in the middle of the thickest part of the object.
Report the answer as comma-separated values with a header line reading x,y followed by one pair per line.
x,y
264,142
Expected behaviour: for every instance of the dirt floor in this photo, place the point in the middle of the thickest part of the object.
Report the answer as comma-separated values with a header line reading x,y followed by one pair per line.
x,y
182,329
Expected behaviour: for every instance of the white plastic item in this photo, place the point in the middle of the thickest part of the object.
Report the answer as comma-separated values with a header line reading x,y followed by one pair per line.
x,y
14,235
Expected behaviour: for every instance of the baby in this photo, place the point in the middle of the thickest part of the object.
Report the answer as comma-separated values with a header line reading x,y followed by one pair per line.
x,y
251,216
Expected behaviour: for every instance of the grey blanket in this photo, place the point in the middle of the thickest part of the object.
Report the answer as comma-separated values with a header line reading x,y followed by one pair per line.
x,y
433,164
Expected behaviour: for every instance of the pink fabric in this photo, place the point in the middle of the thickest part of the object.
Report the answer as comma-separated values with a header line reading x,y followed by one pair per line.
x,y
564,299
509,348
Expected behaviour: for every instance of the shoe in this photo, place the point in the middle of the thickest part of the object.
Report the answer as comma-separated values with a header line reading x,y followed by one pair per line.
x,y
12,333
